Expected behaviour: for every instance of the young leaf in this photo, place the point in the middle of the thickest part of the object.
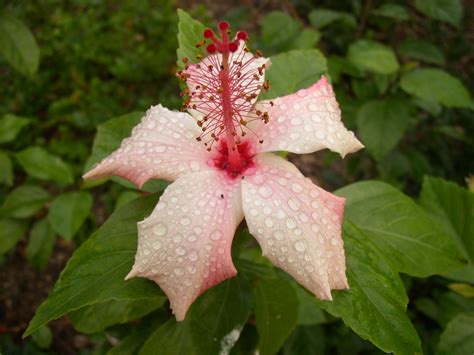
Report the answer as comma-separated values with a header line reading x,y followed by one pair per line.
x,y
190,33
373,56
382,123
11,231
436,85
68,212
10,126
293,70
40,244
42,165
374,306
6,169
458,337
24,201
276,313
444,10
212,325
96,271
18,46
407,236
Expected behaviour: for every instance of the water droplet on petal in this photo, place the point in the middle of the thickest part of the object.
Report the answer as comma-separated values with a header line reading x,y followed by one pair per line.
x,y
180,251
290,222
216,235
296,187
185,221
300,245
265,191
294,204
269,222
178,271
160,229
193,255
278,234
157,245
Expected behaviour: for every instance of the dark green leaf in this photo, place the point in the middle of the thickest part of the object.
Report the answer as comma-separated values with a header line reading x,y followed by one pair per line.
x,y
309,312
10,126
458,337
373,56
18,46
40,244
307,340
6,169
42,165
421,50
96,271
11,231
320,18
408,237
374,306
276,313
190,33
382,123
294,70
68,212
436,85
444,10
212,325
393,11
24,201
97,317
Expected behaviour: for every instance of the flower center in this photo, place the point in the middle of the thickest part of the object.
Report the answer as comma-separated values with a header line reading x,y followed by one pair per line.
x,y
223,161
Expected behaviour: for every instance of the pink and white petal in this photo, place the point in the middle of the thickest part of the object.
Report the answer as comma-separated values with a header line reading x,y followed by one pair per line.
x,y
162,145
297,224
306,121
185,244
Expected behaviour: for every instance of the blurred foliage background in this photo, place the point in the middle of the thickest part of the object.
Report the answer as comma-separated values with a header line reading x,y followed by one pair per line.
x,y
402,71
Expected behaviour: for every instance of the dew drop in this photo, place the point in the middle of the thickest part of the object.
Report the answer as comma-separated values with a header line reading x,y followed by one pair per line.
x,y
294,204
269,222
185,221
300,245
160,229
290,222
265,191
193,255
157,245
296,187
216,235
278,234
180,251
178,271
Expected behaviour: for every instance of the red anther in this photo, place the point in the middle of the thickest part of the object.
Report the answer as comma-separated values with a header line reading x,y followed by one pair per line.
x,y
211,48
233,46
224,25
208,33
242,35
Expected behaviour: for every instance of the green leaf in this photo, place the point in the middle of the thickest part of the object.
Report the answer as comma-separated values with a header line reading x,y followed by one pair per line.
x,y
409,238
276,313
40,244
393,11
436,85
458,337
11,231
42,165
6,169
43,337
190,33
97,317
109,136
212,325
306,39
10,126
307,340
68,212
294,70
374,306
382,123
24,201
18,46
449,11
320,18
421,50
373,56
309,312
278,30
96,271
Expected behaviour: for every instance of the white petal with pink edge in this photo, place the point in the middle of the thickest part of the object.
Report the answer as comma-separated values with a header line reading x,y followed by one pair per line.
x,y
305,122
162,146
297,224
185,244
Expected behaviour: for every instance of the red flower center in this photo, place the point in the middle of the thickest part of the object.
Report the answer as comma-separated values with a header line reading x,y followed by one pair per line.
x,y
226,162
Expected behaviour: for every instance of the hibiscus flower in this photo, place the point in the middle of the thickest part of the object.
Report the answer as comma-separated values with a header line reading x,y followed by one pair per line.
x,y
219,156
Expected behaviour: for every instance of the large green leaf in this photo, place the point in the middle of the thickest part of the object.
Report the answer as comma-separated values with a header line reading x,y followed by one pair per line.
x,y
6,169
438,86
212,325
97,317
276,313
42,165
320,18
190,33
382,123
408,237
374,306
458,337
40,244
11,231
96,271
307,340
69,211
421,50
294,70
373,56
444,10
24,201
17,45
10,126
